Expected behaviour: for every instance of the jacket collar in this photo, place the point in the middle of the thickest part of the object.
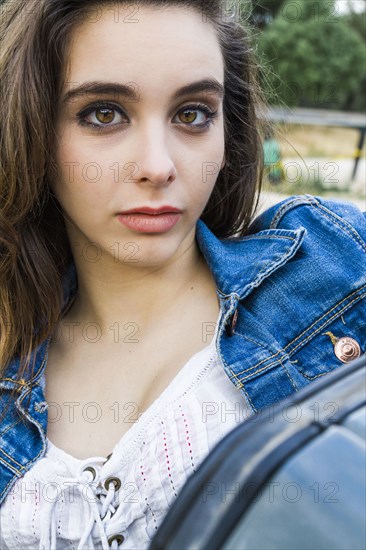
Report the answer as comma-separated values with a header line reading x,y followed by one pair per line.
x,y
238,265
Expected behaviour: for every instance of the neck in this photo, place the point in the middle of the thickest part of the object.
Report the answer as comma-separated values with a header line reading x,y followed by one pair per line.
x,y
113,295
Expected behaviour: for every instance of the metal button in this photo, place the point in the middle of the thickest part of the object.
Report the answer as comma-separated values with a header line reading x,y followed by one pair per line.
x,y
92,470
118,538
232,323
347,349
115,480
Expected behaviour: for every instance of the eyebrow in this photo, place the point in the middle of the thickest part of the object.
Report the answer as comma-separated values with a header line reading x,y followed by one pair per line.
x,y
130,91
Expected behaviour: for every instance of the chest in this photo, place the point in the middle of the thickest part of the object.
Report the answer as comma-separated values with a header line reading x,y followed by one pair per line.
x,y
96,393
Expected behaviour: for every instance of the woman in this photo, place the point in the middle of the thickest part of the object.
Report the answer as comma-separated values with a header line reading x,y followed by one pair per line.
x,y
133,342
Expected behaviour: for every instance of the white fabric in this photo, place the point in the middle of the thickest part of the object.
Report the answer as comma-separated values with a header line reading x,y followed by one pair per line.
x,y
55,504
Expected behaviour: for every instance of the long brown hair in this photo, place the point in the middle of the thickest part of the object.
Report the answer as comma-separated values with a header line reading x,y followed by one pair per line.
x,y
34,247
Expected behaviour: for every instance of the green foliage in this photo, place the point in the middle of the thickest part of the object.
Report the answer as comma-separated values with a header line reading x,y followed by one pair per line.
x,y
310,57
263,12
357,22
308,10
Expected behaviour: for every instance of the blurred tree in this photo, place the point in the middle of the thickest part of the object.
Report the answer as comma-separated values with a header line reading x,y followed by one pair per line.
x,y
356,101
356,21
310,57
263,12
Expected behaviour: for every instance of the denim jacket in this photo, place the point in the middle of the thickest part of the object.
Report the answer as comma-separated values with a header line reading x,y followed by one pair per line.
x,y
292,296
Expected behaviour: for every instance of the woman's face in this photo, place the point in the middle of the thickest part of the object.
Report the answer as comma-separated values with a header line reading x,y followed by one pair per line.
x,y
152,144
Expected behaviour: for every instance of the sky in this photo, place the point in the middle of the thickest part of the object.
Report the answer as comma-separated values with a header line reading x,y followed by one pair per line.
x,y
359,5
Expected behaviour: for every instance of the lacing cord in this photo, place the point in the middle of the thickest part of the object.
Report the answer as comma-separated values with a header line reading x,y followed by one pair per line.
x,y
98,508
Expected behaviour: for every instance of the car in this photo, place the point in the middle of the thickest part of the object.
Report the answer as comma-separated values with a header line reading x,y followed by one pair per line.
x,y
290,477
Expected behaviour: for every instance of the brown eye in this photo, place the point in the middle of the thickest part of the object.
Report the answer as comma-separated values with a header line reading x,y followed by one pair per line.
x,y
104,115
100,116
188,116
197,116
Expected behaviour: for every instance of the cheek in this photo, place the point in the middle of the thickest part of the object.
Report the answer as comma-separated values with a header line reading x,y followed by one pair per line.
x,y
81,178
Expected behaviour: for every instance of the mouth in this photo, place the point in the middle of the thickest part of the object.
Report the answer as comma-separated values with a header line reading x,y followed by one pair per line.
x,y
157,222
148,210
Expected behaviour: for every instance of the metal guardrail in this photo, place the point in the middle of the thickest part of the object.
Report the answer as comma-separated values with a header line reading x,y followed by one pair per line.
x,y
321,117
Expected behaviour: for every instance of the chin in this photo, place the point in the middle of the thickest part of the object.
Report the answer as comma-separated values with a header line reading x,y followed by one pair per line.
x,y
148,250
160,255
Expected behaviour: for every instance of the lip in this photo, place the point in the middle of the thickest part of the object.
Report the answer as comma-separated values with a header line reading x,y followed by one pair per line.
x,y
149,223
166,209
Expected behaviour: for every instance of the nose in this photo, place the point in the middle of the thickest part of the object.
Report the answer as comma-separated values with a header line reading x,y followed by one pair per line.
x,y
155,165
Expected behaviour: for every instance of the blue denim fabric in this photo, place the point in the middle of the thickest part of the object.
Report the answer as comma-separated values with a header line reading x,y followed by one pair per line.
x,y
299,274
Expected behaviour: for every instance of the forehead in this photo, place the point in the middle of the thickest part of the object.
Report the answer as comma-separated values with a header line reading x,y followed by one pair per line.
x,y
151,46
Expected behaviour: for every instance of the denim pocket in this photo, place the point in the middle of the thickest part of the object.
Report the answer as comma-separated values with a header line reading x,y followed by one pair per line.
x,y
332,343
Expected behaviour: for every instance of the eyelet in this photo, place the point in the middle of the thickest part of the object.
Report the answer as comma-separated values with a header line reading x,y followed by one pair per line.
x,y
92,470
115,480
118,538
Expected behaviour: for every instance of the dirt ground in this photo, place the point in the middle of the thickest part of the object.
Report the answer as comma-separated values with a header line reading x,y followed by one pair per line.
x,y
326,152
318,141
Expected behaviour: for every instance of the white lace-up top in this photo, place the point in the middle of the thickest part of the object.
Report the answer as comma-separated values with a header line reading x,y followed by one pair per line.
x,y
66,503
